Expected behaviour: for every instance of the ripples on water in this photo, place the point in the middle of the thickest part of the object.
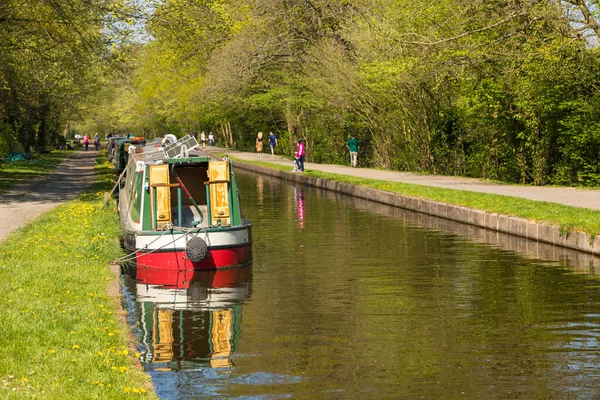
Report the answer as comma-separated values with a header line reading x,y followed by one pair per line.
x,y
350,299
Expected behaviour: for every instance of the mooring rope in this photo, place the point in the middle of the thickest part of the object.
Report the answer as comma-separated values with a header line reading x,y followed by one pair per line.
x,y
169,228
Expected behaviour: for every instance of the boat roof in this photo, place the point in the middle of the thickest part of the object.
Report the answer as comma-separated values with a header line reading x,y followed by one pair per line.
x,y
153,153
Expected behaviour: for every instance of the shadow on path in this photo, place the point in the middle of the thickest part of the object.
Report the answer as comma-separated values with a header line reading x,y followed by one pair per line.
x,y
71,177
27,201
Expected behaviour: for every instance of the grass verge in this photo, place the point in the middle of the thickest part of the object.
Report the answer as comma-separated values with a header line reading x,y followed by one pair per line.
x,y
565,217
62,334
15,172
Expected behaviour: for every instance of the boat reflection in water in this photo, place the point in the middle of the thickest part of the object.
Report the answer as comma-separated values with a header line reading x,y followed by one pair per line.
x,y
187,319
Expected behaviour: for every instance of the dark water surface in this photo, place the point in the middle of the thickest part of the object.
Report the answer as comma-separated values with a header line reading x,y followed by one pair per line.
x,y
349,299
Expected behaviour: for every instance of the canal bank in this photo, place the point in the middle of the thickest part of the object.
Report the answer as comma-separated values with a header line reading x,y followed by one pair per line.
x,y
522,227
65,334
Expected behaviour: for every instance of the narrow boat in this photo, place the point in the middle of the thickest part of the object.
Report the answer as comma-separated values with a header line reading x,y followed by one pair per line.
x,y
117,150
180,210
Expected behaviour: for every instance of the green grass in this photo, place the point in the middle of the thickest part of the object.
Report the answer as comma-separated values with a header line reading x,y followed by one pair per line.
x,y
62,337
566,217
15,172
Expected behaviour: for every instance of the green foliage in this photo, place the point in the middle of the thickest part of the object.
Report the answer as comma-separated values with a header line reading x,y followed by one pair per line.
x,y
500,90
55,60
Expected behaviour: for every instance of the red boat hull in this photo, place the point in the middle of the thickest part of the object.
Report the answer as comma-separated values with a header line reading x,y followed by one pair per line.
x,y
230,257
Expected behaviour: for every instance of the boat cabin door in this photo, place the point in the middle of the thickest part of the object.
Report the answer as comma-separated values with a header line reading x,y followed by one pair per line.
x,y
160,195
218,175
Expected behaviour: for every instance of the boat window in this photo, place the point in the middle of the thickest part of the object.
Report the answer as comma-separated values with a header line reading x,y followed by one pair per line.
x,y
129,175
136,198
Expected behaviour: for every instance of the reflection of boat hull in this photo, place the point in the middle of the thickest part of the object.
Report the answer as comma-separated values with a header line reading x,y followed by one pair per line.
x,y
182,279
189,319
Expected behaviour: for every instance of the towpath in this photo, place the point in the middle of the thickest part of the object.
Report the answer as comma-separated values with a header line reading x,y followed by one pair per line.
x,y
584,198
27,201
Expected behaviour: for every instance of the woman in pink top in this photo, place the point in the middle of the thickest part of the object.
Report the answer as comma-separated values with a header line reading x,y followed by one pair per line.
x,y
301,153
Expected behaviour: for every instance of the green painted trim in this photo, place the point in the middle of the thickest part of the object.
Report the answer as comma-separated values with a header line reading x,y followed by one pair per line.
x,y
188,160
234,201
147,220
209,230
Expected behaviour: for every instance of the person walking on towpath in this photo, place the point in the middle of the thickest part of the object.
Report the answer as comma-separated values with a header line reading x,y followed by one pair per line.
x,y
296,162
353,146
211,139
203,139
272,143
97,142
259,144
301,150
86,141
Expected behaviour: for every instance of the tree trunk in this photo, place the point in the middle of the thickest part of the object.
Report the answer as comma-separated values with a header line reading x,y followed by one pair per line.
x,y
231,141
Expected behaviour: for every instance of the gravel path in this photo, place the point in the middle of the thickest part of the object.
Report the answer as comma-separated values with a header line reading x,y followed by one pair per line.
x,y
28,201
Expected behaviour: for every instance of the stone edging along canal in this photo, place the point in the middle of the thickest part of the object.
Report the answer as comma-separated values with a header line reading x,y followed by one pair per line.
x,y
498,222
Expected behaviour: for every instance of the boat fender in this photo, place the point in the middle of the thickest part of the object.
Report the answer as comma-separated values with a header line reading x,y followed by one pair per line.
x,y
196,249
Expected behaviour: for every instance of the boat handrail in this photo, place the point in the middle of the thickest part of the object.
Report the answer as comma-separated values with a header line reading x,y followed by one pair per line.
x,y
165,185
218,181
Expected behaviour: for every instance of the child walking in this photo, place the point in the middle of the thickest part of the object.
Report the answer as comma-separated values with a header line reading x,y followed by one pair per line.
x,y
296,162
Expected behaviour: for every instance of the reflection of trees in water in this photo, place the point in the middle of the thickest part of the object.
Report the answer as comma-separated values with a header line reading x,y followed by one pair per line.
x,y
526,247
260,189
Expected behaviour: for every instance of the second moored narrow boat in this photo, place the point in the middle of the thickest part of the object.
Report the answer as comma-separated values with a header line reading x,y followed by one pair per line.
x,y
180,210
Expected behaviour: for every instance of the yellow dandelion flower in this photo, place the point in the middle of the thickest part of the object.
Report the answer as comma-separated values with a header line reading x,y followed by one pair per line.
x,y
136,390
122,369
142,390
127,389
75,346
51,351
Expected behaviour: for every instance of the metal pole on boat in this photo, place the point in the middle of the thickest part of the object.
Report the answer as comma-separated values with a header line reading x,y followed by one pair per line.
x,y
208,208
179,207
154,205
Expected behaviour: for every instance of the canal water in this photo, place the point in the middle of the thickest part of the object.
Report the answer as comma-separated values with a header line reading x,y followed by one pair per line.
x,y
349,299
